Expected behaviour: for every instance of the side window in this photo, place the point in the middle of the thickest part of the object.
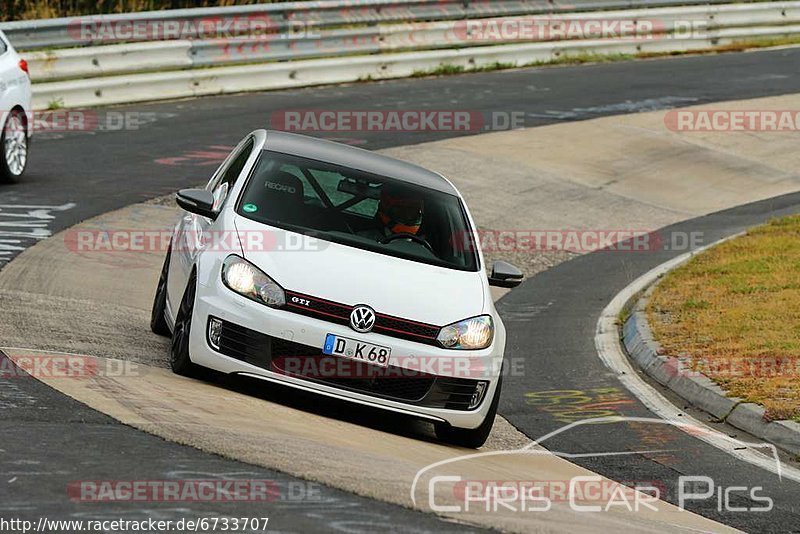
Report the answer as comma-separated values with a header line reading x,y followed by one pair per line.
x,y
223,183
3,46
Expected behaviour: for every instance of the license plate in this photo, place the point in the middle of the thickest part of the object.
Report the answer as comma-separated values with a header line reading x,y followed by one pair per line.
x,y
356,350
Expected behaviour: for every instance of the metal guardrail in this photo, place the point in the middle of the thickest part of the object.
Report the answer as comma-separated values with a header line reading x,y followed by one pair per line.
x,y
180,54
305,73
67,32
433,35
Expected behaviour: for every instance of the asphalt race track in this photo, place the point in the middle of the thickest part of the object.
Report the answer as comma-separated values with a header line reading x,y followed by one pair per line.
x,y
73,176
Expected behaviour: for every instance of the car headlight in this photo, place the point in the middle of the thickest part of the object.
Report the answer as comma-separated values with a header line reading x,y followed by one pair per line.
x,y
475,333
246,279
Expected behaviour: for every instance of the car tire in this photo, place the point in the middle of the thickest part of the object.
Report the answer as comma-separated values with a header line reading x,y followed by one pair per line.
x,y
471,438
13,147
158,320
179,359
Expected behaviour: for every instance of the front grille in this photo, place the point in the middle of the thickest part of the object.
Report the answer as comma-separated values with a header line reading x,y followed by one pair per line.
x,y
393,326
335,312
309,363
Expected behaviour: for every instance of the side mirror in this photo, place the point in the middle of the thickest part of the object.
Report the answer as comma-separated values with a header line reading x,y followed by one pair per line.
x,y
198,201
505,275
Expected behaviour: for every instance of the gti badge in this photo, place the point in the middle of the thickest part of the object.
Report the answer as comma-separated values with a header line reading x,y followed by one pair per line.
x,y
362,318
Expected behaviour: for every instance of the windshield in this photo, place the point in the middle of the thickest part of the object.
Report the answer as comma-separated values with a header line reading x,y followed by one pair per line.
x,y
360,210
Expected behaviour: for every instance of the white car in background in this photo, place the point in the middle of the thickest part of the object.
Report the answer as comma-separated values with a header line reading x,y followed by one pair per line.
x,y
339,271
15,111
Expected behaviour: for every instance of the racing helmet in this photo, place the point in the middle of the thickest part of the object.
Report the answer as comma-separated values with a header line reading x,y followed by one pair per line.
x,y
400,210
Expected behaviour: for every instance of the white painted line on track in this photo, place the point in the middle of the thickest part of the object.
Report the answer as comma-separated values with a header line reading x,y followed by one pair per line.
x,y
21,225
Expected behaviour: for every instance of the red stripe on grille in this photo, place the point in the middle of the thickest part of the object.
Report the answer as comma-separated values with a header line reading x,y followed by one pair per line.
x,y
403,332
400,319
309,297
311,310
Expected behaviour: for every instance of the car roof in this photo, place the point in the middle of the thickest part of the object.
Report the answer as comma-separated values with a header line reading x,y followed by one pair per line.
x,y
356,158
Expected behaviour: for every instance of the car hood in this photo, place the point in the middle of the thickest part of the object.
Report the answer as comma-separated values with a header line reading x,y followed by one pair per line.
x,y
349,275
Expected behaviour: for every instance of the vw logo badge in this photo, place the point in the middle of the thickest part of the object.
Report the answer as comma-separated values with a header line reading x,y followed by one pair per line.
x,y
362,318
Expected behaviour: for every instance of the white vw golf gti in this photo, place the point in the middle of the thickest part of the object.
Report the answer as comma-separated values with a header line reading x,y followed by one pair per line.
x,y
339,271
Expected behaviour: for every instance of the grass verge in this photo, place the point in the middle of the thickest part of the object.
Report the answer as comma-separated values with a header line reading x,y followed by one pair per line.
x,y
734,311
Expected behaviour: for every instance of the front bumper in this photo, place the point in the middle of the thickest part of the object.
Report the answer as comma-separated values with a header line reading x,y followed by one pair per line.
x,y
422,381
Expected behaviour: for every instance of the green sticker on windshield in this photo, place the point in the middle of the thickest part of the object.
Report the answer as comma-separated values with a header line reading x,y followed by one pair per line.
x,y
250,208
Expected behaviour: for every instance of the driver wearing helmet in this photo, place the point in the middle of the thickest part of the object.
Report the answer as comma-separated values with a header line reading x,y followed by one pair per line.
x,y
399,211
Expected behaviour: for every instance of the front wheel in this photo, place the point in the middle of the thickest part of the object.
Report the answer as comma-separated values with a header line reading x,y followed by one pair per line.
x,y
14,146
471,438
179,360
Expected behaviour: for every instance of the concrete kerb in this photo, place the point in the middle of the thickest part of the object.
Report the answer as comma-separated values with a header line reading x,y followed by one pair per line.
x,y
702,392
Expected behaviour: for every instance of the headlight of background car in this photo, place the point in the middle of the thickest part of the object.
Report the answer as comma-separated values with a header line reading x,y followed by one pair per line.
x,y
246,279
475,333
